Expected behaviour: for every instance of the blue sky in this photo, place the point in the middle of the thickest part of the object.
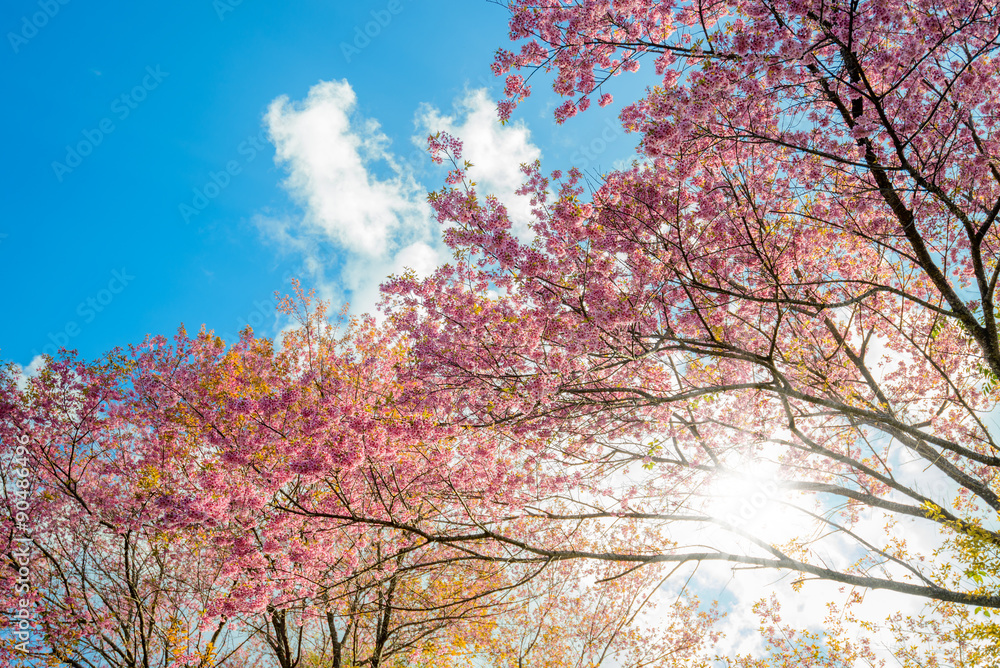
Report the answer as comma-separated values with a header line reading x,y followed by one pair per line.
x,y
140,183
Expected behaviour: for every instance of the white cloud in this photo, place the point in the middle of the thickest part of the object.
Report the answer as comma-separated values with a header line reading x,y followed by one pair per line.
x,y
364,214
495,151
357,226
329,160
30,371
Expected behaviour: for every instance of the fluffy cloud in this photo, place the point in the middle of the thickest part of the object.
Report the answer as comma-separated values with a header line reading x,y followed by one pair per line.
x,y
354,221
365,215
495,151
30,371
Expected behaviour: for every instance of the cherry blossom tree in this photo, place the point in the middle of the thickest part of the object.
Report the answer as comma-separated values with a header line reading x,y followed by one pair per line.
x,y
598,615
770,342
194,504
90,579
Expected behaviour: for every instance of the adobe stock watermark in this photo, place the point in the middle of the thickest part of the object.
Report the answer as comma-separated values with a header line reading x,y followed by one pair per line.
x,y
754,498
248,150
263,313
23,614
30,25
223,7
87,310
122,107
363,35
262,310
597,146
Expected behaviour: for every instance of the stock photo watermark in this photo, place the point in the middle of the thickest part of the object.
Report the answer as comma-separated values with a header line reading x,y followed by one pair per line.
x,y
87,310
744,503
263,312
364,34
23,614
247,150
753,502
585,155
223,7
122,107
32,24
